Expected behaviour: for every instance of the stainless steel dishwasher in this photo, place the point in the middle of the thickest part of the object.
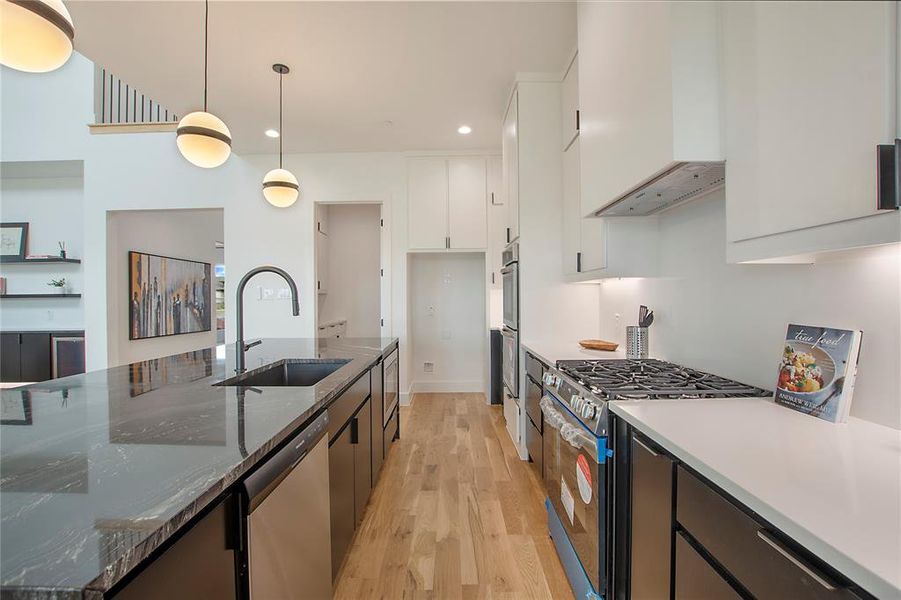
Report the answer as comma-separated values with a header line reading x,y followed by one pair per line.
x,y
288,520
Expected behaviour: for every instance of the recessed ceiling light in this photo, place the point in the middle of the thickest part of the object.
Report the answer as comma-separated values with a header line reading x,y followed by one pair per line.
x,y
464,129
271,133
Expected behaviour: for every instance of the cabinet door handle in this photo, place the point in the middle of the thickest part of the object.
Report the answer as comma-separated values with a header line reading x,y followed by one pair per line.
x,y
577,120
578,262
492,278
762,534
508,235
645,446
355,431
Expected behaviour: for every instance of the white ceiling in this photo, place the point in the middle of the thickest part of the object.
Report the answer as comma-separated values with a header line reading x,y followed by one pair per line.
x,y
427,67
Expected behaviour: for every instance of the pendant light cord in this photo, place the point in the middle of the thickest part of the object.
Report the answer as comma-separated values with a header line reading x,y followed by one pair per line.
x,y
281,133
206,47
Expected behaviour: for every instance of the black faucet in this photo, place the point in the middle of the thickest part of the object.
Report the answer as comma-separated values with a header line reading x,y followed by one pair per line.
x,y
240,346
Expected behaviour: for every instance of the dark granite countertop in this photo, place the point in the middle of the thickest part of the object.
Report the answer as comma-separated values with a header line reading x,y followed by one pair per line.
x,y
97,470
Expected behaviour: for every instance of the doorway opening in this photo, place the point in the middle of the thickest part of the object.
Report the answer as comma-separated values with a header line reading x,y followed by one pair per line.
x,y
348,270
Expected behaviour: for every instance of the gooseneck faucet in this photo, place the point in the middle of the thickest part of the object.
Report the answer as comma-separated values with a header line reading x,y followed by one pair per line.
x,y
240,346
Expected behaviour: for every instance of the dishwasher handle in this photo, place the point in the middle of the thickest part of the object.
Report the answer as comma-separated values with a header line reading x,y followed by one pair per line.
x,y
259,484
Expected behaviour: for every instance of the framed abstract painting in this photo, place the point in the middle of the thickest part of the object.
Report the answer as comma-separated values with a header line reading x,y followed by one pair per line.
x,y
167,296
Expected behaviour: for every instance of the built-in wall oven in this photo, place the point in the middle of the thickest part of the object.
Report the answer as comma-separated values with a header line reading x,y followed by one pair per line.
x,y
510,277
510,359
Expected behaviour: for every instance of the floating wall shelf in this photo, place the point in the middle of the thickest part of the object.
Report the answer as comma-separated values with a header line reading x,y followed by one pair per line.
x,y
38,261
13,296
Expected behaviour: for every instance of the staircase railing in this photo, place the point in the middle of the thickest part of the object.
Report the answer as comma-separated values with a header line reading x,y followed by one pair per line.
x,y
118,103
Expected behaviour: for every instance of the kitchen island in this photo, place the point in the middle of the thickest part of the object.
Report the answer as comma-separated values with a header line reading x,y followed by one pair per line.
x,y
100,470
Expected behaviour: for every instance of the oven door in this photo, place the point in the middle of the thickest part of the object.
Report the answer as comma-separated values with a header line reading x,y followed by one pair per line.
x,y
510,275
576,486
510,362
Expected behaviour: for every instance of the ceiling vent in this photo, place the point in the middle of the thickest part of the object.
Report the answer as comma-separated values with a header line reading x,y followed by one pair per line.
x,y
681,182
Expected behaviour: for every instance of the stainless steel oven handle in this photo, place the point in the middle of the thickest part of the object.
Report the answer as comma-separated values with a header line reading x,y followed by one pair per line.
x,y
552,416
575,436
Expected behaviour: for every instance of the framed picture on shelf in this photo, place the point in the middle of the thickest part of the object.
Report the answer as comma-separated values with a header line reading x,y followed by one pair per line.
x,y
167,296
13,240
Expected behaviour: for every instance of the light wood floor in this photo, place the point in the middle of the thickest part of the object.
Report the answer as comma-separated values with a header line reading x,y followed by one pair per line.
x,y
455,514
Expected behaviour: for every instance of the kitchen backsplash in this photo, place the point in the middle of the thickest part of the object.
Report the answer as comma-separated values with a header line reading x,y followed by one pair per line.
x,y
731,319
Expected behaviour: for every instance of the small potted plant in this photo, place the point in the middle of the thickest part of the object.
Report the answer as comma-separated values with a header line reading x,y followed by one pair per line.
x,y
61,284
62,249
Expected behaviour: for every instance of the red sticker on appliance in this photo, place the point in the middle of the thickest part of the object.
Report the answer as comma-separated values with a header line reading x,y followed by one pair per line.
x,y
583,477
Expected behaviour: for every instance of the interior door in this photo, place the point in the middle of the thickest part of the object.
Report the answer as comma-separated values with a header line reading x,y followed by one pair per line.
x,y
427,198
467,206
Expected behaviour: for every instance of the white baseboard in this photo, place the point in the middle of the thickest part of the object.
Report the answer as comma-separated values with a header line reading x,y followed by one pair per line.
x,y
418,387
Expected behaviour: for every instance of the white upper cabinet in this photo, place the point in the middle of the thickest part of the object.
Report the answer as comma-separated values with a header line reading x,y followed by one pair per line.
x,y
810,89
569,100
572,212
649,92
510,155
447,203
467,211
497,220
427,197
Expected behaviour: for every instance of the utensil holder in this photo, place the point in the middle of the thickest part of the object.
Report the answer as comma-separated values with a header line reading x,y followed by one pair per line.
x,y
636,342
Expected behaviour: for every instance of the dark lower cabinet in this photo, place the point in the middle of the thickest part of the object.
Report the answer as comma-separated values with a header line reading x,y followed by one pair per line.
x,y
651,520
695,578
200,564
25,357
341,495
378,426
392,430
362,443
756,556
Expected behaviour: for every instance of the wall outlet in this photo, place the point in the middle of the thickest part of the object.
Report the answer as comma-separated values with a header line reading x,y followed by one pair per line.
x,y
284,294
428,367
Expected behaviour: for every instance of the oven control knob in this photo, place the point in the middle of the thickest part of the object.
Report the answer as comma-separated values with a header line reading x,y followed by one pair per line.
x,y
576,402
589,411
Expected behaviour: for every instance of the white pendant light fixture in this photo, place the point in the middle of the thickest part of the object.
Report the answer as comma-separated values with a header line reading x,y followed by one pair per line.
x,y
202,137
35,35
280,187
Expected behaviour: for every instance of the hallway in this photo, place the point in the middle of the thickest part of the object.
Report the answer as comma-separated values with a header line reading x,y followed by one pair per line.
x,y
456,514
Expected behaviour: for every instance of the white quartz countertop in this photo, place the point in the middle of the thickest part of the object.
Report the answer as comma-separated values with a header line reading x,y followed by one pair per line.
x,y
553,350
834,489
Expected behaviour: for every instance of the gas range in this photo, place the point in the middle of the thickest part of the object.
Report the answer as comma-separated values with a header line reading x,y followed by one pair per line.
x,y
586,386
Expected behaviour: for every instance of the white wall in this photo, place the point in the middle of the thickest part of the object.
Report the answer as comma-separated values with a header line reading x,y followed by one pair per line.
x,y
53,206
447,321
731,319
354,283
188,234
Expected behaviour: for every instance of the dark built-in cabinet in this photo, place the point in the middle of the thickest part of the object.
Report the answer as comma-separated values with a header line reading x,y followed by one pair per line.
x,y
651,520
359,443
31,355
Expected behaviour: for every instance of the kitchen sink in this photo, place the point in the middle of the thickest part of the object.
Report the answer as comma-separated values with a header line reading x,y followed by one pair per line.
x,y
288,373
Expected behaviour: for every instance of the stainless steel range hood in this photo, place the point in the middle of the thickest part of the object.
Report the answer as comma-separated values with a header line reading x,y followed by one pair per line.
x,y
682,181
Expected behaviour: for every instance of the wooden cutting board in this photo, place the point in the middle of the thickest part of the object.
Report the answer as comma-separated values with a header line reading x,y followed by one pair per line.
x,y
599,345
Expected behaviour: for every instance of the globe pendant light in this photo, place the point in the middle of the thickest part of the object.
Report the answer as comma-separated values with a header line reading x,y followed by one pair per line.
x,y
280,187
35,35
202,138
